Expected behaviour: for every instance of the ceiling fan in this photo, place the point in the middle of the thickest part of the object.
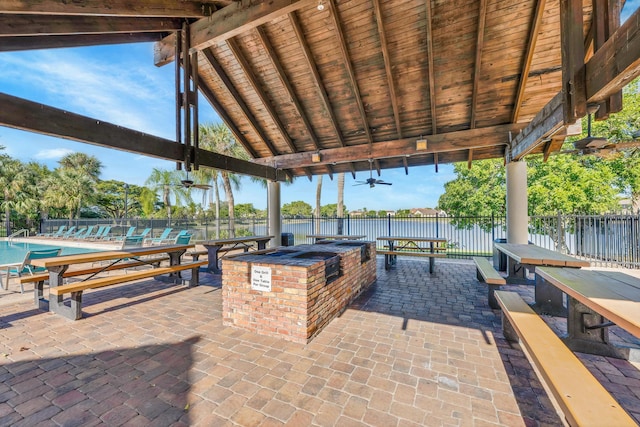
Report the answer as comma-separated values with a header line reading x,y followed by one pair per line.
x,y
188,183
371,181
600,146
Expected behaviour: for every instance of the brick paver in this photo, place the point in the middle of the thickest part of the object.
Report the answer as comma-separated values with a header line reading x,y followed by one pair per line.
x,y
415,349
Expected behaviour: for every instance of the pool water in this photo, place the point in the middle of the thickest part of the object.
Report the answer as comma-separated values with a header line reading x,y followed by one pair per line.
x,y
14,252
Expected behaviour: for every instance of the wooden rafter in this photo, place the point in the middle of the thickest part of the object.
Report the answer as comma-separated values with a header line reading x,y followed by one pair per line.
x,y
226,81
222,112
317,80
528,57
606,20
464,140
346,59
482,13
257,88
387,65
431,76
159,8
273,57
229,22
26,115
9,44
46,25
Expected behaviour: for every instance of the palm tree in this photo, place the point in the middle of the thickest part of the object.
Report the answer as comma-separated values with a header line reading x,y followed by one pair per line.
x,y
167,182
13,180
317,211
218,138
340,206
85,166
67,188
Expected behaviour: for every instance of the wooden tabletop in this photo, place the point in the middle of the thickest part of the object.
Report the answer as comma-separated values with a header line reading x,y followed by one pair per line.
x,y
233,240
107,255
336,236
614,295
414,239
536,255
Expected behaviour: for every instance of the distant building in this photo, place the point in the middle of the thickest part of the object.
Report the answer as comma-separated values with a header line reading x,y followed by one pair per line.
x,y
356,213
425,212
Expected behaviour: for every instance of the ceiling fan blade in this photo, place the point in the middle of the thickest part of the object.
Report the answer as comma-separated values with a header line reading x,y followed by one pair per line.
x,y
384,183
201,186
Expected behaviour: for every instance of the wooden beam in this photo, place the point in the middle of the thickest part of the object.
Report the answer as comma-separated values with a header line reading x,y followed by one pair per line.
x,y
30,116
528,57
616,63
226,118
226,81
257,88
554,144
431,74
482,13
605,21
346,59
453,141
572,47
159,8
46,25
317,80
611,68
387,66
229,22
11,44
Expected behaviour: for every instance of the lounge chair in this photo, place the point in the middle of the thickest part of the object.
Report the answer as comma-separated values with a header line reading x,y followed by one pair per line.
x,y
183,239
144,233
69,232
57,233
132,242
88,234
171,240
130,232
25,267
84,233
104,235
163,236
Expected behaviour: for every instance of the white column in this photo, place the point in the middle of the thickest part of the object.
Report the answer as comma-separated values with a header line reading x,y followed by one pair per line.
x,y
517,217
273,212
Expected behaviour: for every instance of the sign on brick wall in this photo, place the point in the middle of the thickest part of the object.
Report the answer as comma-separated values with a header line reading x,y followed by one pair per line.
x,y
261,278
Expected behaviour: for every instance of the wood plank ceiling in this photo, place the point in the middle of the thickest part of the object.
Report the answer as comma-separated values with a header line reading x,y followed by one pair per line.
x,y
340,89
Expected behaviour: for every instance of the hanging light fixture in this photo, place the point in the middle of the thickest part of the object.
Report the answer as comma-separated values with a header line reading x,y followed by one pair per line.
x,y
320,5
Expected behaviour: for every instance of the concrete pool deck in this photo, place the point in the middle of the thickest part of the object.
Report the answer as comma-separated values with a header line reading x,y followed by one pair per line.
x,y
416,349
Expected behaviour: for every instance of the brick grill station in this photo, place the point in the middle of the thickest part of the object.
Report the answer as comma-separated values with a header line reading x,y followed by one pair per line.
x,y
302,299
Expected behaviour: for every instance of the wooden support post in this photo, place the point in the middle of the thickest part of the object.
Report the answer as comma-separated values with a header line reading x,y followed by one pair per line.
x,y
573,74
606,20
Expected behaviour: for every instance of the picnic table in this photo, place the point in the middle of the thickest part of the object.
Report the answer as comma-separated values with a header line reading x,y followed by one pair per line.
x,y
57,266
218,246
318,237
596,301
410,246
522,256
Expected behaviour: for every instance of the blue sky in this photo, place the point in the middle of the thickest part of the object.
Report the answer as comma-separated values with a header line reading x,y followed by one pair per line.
x,y
120,84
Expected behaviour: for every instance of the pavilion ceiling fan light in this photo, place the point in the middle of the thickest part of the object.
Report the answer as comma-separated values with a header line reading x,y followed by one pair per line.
x,y
320,5
590,142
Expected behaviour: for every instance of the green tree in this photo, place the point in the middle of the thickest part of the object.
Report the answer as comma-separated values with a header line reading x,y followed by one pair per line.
x,y
218,138
329,210
87,169
13,181
67,188
167,183
111,198
296,209
246,210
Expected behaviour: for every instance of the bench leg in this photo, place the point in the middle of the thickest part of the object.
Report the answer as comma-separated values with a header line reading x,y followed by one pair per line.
x,y
38,296
195,278
507,330
588,332
493,302
73,311
549,299
432,263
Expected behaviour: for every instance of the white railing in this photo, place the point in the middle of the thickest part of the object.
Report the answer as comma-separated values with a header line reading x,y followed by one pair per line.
x,y
24,231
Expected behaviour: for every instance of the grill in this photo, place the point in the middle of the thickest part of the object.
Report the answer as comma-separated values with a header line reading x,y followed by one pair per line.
x,y
331,263
364,253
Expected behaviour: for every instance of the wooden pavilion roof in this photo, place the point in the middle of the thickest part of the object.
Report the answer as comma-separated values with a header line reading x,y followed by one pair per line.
x,y
359,84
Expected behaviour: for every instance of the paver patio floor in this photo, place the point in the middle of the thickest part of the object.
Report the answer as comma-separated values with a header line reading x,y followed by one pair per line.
x,y
415,350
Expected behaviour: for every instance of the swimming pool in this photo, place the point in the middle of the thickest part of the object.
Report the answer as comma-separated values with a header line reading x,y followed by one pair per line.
x,y
14,252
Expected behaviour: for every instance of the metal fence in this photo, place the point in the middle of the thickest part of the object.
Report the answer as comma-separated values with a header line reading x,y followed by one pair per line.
x,y
605,240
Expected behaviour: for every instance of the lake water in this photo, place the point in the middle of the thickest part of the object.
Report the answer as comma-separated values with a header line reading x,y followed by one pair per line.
x,y
14,252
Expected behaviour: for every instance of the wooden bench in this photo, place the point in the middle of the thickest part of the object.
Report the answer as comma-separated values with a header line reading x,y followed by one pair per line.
x,y
74,310
486,273
40,278
576,393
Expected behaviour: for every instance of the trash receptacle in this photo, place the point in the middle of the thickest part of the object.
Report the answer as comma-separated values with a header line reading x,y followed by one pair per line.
x,y
286,239
499,258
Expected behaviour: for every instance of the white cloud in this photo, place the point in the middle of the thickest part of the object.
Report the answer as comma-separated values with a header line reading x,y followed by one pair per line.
x,y
52,153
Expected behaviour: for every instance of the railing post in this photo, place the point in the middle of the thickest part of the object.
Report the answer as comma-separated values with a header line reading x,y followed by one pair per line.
x,y
437,225
559,232
389,224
